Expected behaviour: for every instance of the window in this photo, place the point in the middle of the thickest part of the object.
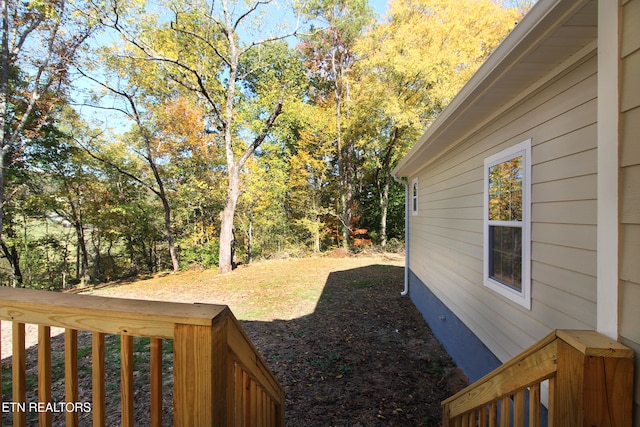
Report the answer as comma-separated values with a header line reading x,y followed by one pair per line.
x,y
414,197
507,223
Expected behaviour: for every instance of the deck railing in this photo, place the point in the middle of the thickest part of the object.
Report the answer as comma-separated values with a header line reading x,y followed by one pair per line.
x,y
219,378
589,377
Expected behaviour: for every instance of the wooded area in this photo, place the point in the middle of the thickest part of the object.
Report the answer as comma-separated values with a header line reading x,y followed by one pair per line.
x,y
144,137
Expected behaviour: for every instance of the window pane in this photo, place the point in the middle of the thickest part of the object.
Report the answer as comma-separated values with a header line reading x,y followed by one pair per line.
x,y
505,256
505,191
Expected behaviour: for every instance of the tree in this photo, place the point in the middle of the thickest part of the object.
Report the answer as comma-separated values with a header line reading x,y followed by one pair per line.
x,y
311,186
40,40
262,208
331,56
148,147
410,69
201,51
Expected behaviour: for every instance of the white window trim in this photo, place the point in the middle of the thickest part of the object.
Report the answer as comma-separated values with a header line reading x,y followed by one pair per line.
x,y
521,297
414,196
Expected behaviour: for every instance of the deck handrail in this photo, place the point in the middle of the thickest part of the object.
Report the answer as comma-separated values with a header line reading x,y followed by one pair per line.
x,y
219,377
590,382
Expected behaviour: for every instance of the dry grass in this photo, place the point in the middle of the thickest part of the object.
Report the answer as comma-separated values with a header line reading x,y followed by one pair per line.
x,y
264,291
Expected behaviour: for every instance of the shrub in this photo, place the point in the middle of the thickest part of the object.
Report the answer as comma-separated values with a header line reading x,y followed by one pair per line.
x,y
205,256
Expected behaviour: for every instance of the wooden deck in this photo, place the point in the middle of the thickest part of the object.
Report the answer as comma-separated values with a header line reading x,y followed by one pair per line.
x,y
219,377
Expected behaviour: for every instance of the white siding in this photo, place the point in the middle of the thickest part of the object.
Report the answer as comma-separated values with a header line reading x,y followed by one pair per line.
x,y
446,243
630,188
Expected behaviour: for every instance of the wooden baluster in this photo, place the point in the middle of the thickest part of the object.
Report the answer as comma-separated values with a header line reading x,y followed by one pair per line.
x,y
237,406
265,404
126,380
19,374
473,418
71,373
259,407
493,415
482,417
505,411
518,408
156,382
534,405
265,409
98,375
254,403
45,418
246,402
551,409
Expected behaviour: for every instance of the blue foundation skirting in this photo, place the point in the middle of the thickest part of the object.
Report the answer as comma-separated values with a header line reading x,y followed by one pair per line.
x,y
464,347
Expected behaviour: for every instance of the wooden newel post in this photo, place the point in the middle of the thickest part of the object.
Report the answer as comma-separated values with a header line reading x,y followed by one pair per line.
x,y
594,384
200,371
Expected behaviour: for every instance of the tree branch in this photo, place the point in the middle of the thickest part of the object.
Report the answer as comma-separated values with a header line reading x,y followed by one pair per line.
x,y
116,167
202,39
265,131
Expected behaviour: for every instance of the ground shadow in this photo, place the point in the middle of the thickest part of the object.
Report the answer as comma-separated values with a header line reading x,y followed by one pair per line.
x,y
364,357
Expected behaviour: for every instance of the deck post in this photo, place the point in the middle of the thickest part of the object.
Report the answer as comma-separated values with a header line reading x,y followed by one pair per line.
x,y
594,381
200,372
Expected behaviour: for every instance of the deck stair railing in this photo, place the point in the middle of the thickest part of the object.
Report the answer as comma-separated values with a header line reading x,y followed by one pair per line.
x,y
589,379
218,376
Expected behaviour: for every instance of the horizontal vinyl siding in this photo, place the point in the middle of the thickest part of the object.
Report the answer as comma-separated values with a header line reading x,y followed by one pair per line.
x,y
630,189
446,237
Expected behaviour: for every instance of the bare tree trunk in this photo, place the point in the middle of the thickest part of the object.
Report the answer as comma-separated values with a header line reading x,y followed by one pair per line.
x,y
384,191
133,265
169,229
226,223
83,258
250,240
384,203
14,260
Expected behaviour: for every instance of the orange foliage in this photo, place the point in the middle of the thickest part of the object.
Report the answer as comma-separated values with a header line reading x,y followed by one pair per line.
x,y
181,126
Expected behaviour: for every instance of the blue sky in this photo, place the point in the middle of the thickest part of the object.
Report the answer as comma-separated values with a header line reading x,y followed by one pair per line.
x,y
379,7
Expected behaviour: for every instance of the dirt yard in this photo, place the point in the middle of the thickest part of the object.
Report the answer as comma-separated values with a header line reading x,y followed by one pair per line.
x,y
348,349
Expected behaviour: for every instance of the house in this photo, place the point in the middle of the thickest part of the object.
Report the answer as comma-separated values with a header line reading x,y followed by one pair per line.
x,y
524,195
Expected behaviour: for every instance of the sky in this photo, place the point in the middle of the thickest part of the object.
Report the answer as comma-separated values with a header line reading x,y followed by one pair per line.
x,y
379,7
